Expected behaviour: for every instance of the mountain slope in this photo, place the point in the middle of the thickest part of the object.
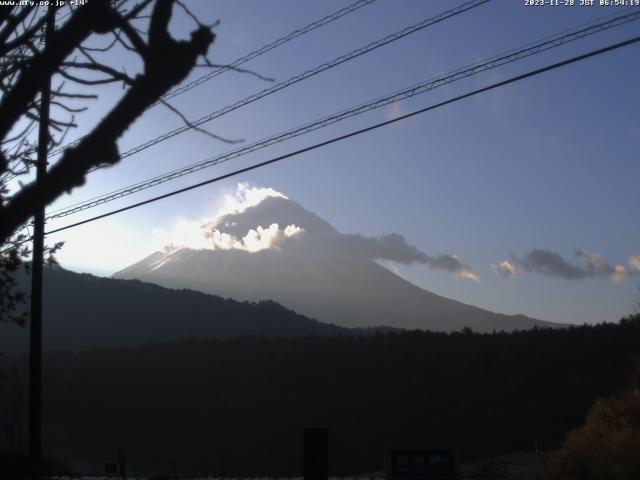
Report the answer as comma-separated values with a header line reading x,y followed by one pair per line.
x,y
313,269
351,293
83,311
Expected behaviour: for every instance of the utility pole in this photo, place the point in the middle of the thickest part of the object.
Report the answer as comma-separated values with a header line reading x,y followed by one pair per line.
x,y
35,340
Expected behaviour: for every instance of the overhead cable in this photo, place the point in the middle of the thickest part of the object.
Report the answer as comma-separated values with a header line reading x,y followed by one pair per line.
x,y
250,56
304,76
420,88
376,126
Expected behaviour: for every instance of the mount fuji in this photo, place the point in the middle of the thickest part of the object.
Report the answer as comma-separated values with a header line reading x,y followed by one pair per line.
x,y
266,246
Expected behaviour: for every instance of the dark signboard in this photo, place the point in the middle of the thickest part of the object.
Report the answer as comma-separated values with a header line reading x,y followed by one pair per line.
x,y
122,461
316,454
422,465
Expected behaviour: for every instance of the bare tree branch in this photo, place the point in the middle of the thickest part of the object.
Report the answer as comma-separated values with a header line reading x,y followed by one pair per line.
x,y
166,63
114,74
86,20
196,128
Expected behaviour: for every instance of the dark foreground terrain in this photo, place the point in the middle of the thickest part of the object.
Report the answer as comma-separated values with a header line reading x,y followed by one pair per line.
x,y
238,407
107,312
83,311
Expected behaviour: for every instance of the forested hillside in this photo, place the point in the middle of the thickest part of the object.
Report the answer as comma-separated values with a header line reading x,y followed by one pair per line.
x,y
84,311
239,406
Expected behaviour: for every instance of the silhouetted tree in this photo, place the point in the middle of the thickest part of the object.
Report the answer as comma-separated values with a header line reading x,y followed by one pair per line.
x,y
607,446
485,394
74,59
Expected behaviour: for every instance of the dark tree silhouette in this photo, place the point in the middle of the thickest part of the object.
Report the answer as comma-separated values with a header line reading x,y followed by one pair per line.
x,y
606,446
207,402
77,56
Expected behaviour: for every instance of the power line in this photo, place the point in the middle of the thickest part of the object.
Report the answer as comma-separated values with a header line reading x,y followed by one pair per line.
x,y
305,75
250,56
281,41
464,72
517,78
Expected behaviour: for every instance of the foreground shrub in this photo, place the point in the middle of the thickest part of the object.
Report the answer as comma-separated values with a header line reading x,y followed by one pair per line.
x,y
607,446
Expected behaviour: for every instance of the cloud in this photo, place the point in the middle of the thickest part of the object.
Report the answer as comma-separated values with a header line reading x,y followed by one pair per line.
x,y
551,264
192,234
232,235
255,240
246,197
453,265
619,274
505,269
591,265
392,247
597,267
185,233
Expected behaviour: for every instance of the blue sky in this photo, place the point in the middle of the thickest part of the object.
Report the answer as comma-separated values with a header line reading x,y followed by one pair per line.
x,y
550,163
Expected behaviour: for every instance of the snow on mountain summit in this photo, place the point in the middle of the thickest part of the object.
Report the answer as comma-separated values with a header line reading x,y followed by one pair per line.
x,y
265,246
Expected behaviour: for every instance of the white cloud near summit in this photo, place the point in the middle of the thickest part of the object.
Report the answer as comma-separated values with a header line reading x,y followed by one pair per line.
x,y
191,234
185,233
246,197
255,240
215,235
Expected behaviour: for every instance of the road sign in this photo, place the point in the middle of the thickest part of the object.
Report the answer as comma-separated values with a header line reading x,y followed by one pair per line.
x,y
439,464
